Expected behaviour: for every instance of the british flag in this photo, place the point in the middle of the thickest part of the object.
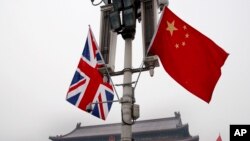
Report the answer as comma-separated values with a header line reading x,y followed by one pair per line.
x,y
87,85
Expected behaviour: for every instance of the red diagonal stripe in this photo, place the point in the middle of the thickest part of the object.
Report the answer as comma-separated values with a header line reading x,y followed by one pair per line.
x,y
95,81
77,85
101,107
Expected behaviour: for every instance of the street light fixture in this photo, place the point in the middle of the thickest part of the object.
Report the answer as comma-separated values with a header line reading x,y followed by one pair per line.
x,y
107,1
117,5
129,18
129,23
115,21
128,3
127,26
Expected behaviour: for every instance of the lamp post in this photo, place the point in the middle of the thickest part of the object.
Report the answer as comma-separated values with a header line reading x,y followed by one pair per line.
x,y
127,30
127,93
126,26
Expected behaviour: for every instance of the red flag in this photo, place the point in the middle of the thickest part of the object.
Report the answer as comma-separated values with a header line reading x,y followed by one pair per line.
x,y
219,138
188,56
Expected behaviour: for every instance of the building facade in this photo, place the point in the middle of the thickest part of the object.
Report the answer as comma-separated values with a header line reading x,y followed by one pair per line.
x,y
165,129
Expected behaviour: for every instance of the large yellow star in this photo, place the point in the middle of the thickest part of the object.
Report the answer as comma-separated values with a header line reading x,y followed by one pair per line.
x,y
171,28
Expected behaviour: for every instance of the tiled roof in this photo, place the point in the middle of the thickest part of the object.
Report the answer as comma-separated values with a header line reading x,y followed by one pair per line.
x,y
171,123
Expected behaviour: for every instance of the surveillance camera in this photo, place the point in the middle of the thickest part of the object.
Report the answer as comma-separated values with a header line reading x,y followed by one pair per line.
x,y
162,3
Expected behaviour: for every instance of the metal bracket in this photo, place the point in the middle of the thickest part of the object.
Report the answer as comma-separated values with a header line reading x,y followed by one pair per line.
x,y
151,62
125,84
104,69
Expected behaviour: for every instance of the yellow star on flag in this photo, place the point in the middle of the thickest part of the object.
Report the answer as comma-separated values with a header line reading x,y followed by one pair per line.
x,y
171,28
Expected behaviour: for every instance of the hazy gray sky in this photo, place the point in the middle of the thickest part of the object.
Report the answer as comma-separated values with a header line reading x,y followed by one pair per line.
x,y
40,45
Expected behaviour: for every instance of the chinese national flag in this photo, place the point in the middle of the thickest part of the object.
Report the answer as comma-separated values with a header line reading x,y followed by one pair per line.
x,y
188,56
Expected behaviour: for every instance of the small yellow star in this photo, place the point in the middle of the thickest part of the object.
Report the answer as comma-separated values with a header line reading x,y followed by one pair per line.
x,y
183,43
177,45
171,28
184,27
186,35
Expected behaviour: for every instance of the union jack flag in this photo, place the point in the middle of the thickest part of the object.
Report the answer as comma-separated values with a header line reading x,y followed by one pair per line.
x,y
87,85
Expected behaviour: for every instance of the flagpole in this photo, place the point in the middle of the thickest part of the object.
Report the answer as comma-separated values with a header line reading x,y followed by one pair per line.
x,y
127,99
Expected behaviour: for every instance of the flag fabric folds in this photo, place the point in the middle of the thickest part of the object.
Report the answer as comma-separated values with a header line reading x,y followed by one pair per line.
x,y
188,56
87,85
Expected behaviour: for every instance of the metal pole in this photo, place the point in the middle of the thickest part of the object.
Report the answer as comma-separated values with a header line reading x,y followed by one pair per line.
x,y
127,99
